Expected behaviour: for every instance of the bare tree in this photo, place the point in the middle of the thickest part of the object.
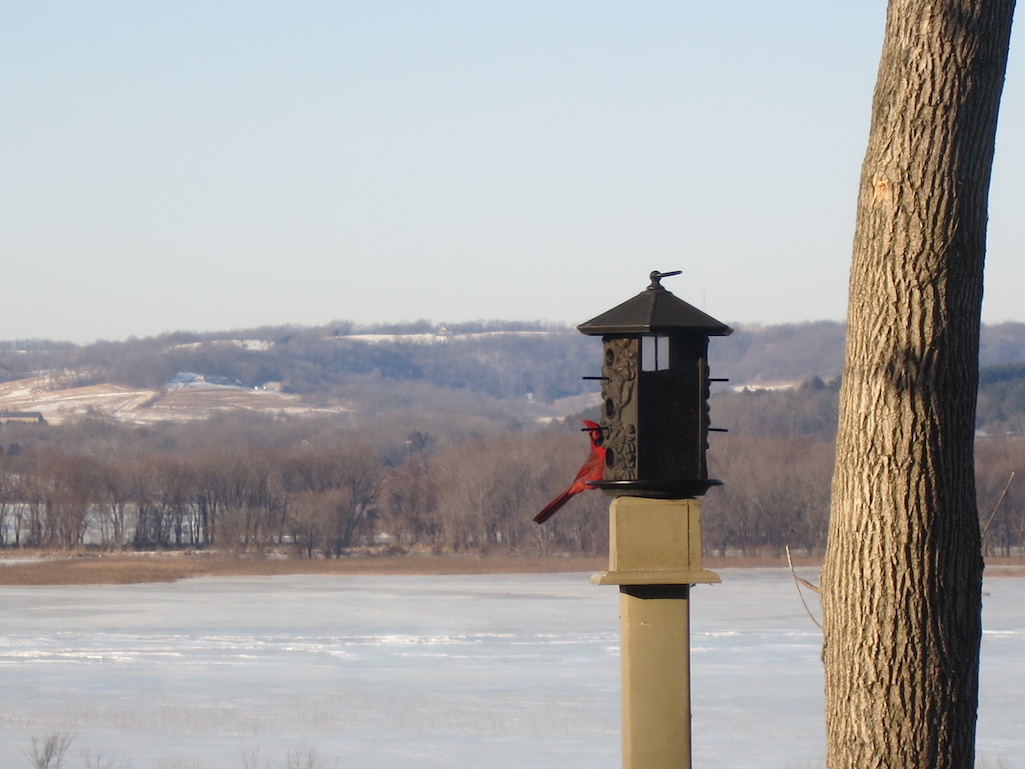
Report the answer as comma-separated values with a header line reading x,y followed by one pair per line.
x,y
777,494
10,521
412,502
902,577
48,752
117,493
342,480
309,520
362,478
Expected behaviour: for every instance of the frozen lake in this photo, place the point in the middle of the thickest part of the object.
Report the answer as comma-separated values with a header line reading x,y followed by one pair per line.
x,y
493,672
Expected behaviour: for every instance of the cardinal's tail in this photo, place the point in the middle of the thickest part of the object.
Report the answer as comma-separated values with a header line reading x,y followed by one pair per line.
x,y
553,507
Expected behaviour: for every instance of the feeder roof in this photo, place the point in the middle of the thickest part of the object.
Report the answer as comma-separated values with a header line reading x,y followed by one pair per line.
x,y
654,311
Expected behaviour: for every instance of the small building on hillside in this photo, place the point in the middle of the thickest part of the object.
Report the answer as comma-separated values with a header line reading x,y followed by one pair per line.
x,y
20,416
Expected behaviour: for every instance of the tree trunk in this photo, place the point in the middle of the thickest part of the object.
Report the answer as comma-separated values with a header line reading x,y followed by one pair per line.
x,y
901,583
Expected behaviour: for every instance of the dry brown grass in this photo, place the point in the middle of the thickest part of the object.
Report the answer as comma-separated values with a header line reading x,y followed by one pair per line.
x,y
123,569
1005,567
759,561
110,569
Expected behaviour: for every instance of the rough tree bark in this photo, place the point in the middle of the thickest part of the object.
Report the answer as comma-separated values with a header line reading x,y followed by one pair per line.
x,y
901,583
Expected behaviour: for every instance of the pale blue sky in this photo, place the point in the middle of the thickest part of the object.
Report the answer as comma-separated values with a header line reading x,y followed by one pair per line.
x,y
217,165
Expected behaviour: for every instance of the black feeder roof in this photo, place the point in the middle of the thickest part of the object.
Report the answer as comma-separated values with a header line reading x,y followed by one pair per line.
x,y
654,311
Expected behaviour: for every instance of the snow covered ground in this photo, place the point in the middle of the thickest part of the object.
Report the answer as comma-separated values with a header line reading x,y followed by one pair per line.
x,y
493,672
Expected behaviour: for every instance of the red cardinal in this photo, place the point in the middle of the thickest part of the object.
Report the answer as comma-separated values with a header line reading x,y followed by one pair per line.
x,y
591,471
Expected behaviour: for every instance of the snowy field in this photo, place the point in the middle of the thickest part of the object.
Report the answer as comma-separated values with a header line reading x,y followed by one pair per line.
x,y
462,672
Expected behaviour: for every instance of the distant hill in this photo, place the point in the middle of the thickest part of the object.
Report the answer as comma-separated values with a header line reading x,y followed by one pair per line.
x,y
504,370
762,356
794,353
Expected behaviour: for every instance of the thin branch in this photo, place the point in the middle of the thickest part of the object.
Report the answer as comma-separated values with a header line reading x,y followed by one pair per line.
x,y
997,507
797,584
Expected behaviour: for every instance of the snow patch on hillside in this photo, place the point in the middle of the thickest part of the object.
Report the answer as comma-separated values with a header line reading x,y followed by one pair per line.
x,y
142,406
442,336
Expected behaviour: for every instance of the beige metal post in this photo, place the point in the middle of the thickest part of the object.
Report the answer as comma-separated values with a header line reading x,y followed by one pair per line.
x,y
654,557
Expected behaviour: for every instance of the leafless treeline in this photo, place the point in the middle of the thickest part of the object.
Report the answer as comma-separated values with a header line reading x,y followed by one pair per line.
x,y
322,497
777,494
331,492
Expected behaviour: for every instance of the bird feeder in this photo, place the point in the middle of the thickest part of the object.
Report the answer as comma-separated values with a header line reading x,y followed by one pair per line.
x,y
655,389
655,420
